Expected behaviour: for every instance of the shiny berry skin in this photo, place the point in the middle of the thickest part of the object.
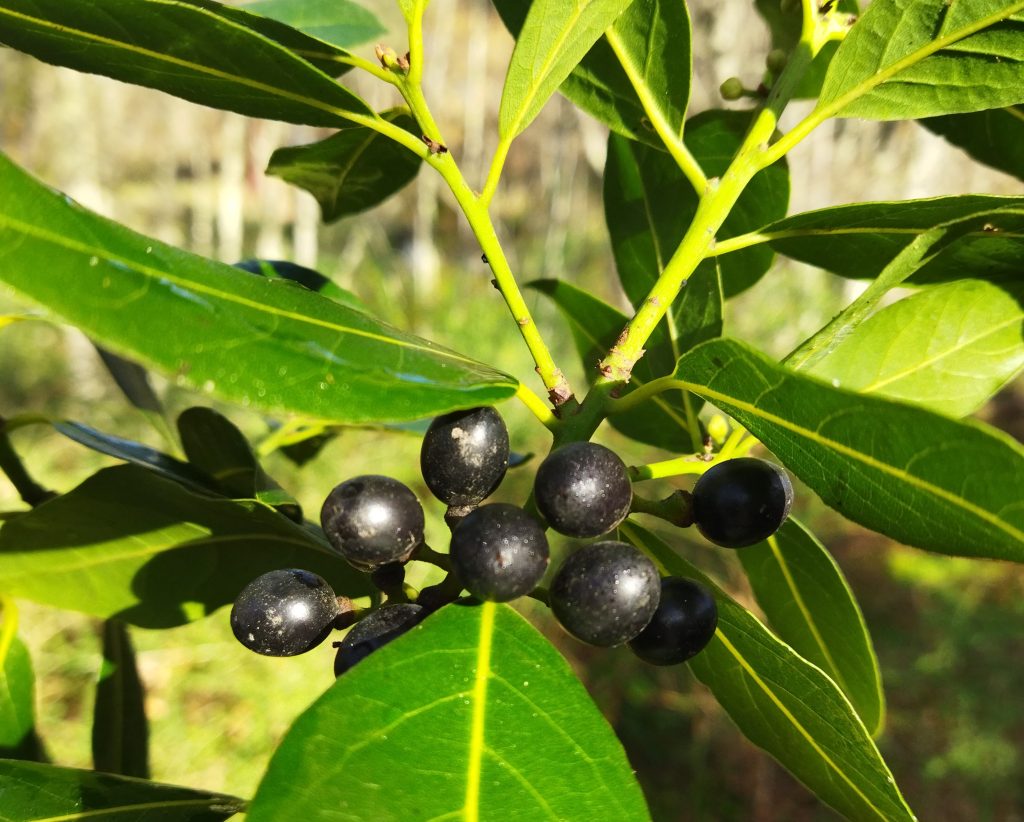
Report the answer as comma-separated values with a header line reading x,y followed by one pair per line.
x,y
465,455
583,489
375,630
284,613
682,625
741,502
372,520
605,593
499,552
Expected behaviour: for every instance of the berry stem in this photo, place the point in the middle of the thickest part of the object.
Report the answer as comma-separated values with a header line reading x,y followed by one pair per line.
x,y
676,508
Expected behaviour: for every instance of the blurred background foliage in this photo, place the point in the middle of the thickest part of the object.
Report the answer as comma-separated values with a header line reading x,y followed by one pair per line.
x,y
947,631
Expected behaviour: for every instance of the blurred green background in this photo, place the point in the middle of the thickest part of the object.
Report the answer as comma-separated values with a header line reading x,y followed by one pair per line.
x,y
947,631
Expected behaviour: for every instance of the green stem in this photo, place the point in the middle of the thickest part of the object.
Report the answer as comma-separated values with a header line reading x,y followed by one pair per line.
x,y
676,508
536,406
494,172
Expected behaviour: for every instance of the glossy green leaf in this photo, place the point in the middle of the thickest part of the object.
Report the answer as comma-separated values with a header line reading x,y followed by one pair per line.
x,y
340,22
899,470
509,730
46,793
216,447
638,72
668,420
994,137
859,240
554,38
949,348
18,739
199,51
649,205
120,732
921,58
786,705
350,171
268,343
808,602
785,21
129,544
312,279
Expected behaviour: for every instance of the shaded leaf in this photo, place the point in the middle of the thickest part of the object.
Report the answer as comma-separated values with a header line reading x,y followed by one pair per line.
x,y
786,705
859,240
120,732
666,421
554,38
497,703
133,380
131,545
899,470
267,343
340,22
921,58
808,602
198,50
994,137
46,793
18,739
949,348
350,171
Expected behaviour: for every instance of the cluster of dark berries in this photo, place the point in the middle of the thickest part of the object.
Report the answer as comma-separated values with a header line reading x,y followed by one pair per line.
x,y
605,593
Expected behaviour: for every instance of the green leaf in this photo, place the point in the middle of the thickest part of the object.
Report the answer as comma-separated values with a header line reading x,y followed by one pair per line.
x,y
921,58
351,171
786,705
46,793
216,447
899,470
268,343
509,731
859,240
666,421
199,51
133,380
808,602
129,544
312,279
785,26
554,38
948,348
18,738
643,77
120,732
340,22
995,137
649,205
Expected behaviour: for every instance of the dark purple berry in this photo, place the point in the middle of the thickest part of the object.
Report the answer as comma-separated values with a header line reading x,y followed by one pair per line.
x,y
375,630
465,455
284,613
372,520
583,489
741,502
499,552
682,625
605,593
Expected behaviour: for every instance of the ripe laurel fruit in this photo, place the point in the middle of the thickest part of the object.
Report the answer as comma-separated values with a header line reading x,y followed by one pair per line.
x,y
372,520
605,593
465,455
583,489
284,613
682,625
375,630
499,552
741,502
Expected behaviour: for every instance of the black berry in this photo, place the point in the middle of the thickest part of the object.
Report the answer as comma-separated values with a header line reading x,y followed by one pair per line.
x,y
682,625
373,631
284,613
465,455
742,501
499,552
583,489
372,520
605,593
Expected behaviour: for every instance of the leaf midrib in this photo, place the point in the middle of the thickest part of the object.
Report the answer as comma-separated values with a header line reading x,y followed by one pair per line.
x,y
211,804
